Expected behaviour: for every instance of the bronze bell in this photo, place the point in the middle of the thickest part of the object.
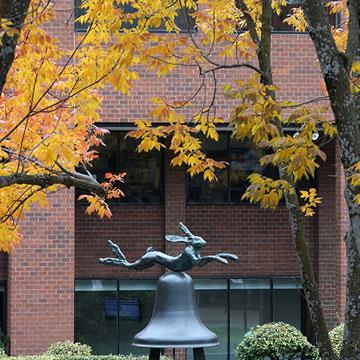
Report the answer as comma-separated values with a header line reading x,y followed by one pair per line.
x,y
175,322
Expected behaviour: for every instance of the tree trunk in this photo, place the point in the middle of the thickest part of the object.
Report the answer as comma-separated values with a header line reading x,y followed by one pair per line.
x,y
14,10
309,283
351,342
336,67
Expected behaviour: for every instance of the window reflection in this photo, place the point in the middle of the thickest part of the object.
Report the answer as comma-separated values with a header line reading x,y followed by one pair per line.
x,y
243,160
211,297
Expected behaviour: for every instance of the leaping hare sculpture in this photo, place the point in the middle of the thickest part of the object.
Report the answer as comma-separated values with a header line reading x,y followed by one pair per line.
x,y
188,259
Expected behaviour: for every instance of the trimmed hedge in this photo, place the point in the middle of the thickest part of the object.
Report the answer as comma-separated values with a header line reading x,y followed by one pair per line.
x,y
68,348
276,341
91,357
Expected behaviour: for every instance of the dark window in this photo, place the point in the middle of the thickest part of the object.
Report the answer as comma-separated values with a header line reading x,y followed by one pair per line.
x,y
78,11
184,21
243,160
93,324
143,171
278,23
2,307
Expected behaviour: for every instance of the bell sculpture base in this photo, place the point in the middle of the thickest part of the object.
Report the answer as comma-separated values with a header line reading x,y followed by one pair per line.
x,y
198,354
175,322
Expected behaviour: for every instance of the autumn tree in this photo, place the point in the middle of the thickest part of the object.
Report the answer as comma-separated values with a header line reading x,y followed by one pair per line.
x,y
50,102
48,106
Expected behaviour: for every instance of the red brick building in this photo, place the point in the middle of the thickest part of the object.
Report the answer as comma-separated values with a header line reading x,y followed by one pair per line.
x,y
53,288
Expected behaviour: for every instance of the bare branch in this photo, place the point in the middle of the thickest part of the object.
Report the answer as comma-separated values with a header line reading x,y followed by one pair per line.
x,y
233,66
320,98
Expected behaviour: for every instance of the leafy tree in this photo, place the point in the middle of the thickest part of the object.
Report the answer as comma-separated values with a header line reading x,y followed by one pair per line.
x,y
48,119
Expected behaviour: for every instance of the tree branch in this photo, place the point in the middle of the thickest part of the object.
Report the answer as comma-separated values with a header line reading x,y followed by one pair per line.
x,y
78,180
249,21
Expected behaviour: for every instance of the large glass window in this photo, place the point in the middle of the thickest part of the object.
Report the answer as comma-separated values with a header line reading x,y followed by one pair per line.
x,y
2,307
143,180
243,159
108,313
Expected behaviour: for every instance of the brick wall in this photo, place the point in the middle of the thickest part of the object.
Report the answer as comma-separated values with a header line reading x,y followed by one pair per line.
x,y
296,72
133,228
260,238
41,278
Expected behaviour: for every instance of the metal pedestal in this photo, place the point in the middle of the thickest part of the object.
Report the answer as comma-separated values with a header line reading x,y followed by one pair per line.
x,y
198,353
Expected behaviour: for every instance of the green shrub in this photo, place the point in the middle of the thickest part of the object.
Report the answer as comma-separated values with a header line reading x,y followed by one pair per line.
x,y
336,337
68,348
91,357
276,341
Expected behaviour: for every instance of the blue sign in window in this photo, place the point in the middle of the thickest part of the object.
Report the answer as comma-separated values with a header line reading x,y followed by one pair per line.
x,y
128,308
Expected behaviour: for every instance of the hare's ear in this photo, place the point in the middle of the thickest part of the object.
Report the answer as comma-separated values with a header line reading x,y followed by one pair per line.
x,y
176,239
185,230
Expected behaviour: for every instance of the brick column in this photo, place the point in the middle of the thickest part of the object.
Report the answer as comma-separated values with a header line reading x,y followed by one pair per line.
x,y
174,202
330,244
342,217
41,278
